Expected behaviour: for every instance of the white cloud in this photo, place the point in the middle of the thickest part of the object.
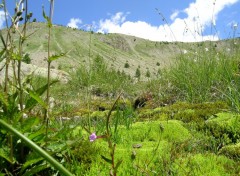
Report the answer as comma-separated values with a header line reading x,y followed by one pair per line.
x,y
2,19
235,25
74,22
199,15
174,15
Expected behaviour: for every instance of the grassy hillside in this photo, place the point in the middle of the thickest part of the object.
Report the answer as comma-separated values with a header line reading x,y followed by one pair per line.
x,y
116,49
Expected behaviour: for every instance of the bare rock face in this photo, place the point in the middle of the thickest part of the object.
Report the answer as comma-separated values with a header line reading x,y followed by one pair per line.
x,y
30,69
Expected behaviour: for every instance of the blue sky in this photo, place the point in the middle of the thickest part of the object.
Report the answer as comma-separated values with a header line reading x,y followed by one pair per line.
x,y
174,20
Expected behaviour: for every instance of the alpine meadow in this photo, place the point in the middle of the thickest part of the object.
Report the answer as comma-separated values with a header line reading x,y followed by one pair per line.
x,y
85,103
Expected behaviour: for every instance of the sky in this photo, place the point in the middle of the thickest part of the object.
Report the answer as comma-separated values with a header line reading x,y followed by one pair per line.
x,y
156,20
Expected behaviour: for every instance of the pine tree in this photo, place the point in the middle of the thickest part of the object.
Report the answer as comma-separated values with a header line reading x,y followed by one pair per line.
x,y
148,74
138,73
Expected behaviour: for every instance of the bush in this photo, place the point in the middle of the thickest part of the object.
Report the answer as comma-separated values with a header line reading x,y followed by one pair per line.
x,y
148,74
138,73
126,65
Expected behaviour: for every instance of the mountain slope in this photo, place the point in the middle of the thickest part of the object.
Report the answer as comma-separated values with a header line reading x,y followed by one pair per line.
x,y
116,49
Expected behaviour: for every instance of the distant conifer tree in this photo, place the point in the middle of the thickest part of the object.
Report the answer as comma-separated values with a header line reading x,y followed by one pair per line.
x,y
138,73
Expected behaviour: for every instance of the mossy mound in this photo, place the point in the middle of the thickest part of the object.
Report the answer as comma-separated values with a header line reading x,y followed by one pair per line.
x,y
231,151
149,156
85,153
99,114
82,112
172,131
225,125
184,111
102,104
187,112
205,164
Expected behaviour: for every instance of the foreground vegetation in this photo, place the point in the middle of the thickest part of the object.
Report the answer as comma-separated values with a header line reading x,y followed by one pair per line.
x,y
184,120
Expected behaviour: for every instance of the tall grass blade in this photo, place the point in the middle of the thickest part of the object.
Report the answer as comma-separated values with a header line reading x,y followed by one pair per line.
x,y
38,149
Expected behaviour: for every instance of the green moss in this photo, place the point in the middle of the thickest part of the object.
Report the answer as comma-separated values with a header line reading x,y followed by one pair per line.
x,y
187,115
85,153
153,114
184,111
174,131
232,151
171,130
196,112
144,157
99,114
225,125
83,112
205,164
101,104
123,104
106,104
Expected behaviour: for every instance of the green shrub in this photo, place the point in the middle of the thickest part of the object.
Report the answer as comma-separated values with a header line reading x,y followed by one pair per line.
x,y
126,65
138,73
148,74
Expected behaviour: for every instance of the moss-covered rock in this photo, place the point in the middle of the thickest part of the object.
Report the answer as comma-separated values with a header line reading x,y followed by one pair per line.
x,y
102,104
123,104
99,114
153,114
205,164
84,153
200,112
232,151
225,125
184,111
172,131
82,112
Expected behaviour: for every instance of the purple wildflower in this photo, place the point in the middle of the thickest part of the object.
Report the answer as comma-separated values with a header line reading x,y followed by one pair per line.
x,y
93,137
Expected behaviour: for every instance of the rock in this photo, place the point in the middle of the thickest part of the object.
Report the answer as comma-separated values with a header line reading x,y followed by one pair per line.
x,y
30,69
137,145
76,118
64,119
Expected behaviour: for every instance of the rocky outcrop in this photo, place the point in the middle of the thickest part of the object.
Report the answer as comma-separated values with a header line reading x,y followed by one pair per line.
x,y
30,69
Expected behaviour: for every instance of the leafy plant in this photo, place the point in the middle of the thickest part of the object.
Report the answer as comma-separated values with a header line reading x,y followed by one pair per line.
x,y
109,136
35,147
18,101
